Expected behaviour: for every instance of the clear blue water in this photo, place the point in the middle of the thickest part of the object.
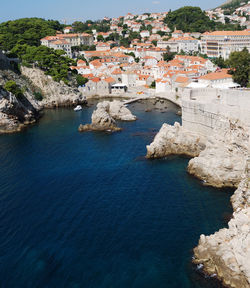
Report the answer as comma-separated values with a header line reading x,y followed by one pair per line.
x,y
87,210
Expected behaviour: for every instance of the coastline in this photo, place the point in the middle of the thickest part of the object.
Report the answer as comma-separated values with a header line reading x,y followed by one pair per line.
x,y
221,159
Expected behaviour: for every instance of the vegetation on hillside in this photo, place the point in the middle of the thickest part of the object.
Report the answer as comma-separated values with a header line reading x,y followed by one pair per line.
x,y
233,4
239,63
26,31
88,26
12,87
193,19
53,62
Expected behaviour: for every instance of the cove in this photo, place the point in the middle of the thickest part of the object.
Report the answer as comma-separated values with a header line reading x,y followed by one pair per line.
x,y
87,210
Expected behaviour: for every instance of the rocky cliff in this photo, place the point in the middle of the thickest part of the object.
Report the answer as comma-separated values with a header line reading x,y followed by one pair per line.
x,y
222,162
222,159
54,94
227,252
175,140
16,111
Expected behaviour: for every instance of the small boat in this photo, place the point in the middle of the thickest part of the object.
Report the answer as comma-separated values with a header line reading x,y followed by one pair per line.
x,y
78,108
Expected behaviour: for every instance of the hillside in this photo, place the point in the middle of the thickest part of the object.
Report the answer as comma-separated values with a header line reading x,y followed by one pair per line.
x,y
233,4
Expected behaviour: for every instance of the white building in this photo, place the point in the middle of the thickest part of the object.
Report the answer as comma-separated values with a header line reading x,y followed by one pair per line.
x,y
219,79
145,33
66,41
68,29
222,43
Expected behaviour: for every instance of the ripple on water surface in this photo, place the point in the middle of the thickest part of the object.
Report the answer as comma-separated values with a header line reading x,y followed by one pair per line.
x,y
87,210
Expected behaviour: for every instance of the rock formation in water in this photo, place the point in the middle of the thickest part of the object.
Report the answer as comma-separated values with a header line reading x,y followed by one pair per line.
x,y
55,94
222,160
219,159
15,112
118,111
175,140
103,118
227,252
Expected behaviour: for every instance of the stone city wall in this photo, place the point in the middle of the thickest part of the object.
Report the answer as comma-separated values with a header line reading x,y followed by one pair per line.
x,y
204,110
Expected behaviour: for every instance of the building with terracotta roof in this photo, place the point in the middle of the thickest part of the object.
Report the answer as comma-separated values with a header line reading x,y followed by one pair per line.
x,y
66,41
220,79
222,43
68,29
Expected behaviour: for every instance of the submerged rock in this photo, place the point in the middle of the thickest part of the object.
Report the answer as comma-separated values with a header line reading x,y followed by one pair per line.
x,y
103,118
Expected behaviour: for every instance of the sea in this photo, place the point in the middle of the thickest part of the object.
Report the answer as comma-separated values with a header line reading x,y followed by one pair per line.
x,y
88,210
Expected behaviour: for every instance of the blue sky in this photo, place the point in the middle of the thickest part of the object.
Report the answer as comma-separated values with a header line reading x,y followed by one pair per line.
x,y
72,10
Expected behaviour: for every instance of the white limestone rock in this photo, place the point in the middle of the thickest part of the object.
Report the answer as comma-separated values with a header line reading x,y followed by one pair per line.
x,y
103,118
55,94
175,140
15,112
222,163
119,112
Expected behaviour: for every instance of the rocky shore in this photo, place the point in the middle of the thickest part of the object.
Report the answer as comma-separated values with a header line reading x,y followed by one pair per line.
x,y
175,140
227,252
16,112
221,160
105,116
54,94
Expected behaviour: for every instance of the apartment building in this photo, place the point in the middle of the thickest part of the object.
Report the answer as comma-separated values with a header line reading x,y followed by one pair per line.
x,y
222,43
66,41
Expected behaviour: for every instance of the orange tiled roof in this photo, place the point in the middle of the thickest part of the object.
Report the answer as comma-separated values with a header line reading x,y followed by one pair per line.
x,y
221,74
109,80
228,33
181,79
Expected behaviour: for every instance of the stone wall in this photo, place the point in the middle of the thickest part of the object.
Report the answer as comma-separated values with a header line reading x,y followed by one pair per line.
x,y
204,110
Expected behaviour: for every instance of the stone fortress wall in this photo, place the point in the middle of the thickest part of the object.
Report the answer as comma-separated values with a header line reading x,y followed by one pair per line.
x,y
204,110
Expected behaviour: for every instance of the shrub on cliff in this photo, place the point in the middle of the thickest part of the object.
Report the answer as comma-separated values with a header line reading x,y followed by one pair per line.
x,y
13,88
52,62
81,80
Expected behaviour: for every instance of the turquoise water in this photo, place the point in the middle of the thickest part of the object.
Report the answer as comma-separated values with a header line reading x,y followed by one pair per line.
x,y
87,210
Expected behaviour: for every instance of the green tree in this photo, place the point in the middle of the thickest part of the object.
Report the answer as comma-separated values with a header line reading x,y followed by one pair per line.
x,y
193,19
153,84
239,63
81,80
12,87
154,42
168,56
26,31
220,62
53,62
100,38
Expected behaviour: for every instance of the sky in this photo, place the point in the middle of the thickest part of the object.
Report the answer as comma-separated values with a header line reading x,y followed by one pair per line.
x,y
80,10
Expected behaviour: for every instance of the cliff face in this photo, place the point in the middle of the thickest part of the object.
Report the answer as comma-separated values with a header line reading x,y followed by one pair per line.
x,y
55,94
175,140
16,112
223,159
227,252
222,163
